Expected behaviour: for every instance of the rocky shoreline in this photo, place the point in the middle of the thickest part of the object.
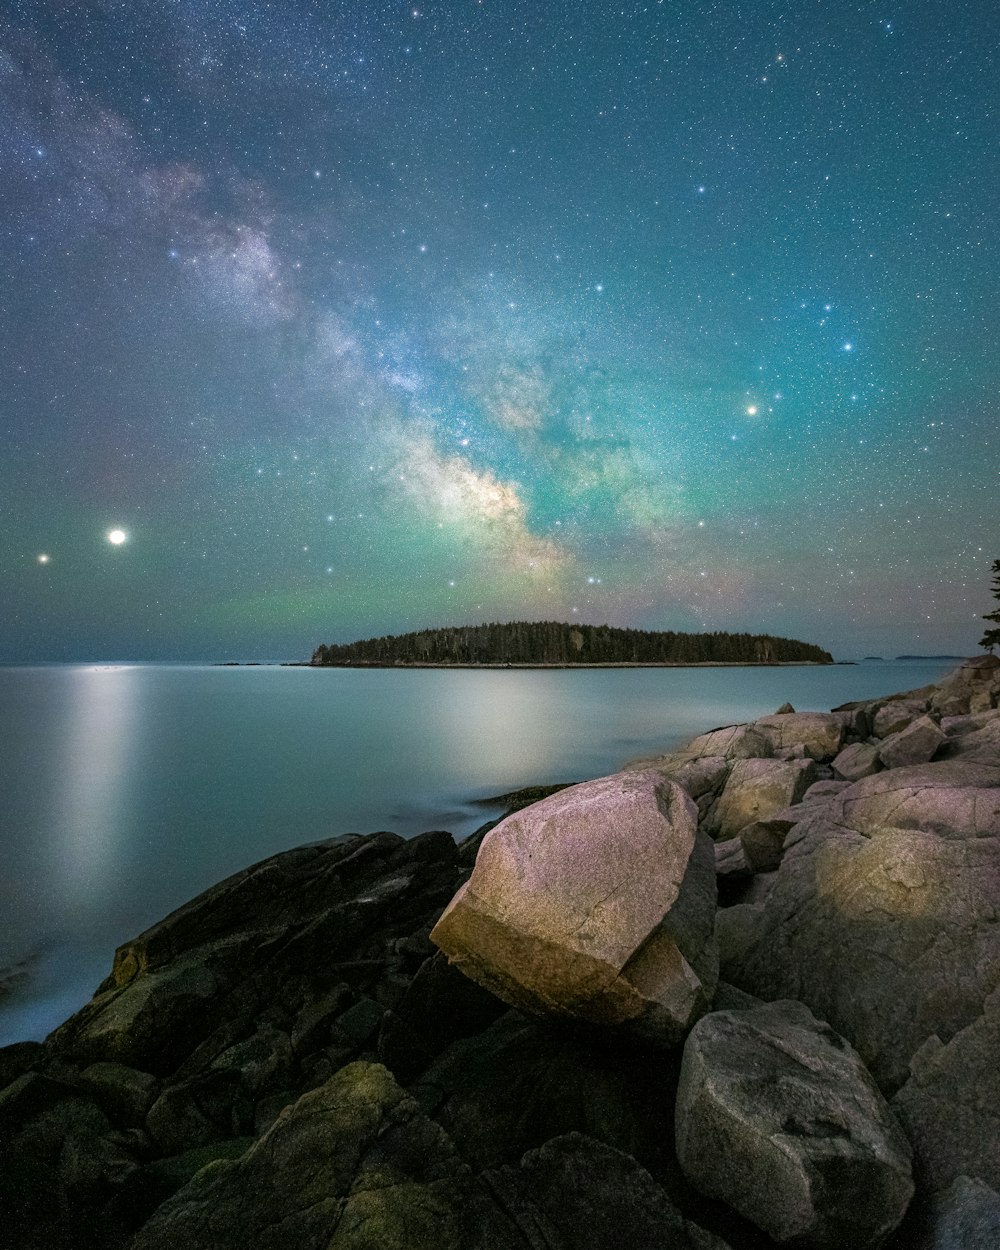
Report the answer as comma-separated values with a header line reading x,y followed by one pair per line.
x,y
756,989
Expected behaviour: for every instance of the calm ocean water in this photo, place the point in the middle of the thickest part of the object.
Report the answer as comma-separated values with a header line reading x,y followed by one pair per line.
x,y
126,789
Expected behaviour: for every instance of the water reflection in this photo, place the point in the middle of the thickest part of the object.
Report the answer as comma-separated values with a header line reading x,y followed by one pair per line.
x,y
90,800
503,720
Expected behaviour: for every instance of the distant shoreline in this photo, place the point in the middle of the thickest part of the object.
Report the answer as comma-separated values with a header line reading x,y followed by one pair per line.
x,y
568,664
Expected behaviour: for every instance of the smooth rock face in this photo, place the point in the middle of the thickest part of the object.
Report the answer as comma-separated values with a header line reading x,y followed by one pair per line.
x,y
952,799
820,733
855,920
950,1106
860,759
916,744
757,789
597,904
777,1117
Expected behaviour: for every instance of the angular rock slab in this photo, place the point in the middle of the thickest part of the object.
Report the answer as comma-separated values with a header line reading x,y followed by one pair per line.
x,y
916,744
858,760
950,1106
596,904
778,1117
757,789
820,733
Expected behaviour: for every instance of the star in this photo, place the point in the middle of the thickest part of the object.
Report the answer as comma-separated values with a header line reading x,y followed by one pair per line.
x,y
117,537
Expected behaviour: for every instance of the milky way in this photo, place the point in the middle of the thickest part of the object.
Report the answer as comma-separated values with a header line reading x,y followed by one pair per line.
x,y
360,318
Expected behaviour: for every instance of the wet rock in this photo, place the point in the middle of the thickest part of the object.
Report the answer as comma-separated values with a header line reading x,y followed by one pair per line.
x,y
596,904
17,1059
46,1126
224,959
360,1023
777,1117
916,744
321,1007
263,1061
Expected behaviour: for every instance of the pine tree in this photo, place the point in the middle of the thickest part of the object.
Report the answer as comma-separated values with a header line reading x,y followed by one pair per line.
x,y
991,638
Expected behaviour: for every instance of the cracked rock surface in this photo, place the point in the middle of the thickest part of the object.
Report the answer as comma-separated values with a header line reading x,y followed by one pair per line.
x,y
778,1117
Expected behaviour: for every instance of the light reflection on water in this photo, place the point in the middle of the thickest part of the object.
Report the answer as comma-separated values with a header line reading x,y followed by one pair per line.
x,y
128,789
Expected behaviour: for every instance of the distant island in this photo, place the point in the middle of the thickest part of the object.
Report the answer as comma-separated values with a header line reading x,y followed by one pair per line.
x,y
956,658
554,643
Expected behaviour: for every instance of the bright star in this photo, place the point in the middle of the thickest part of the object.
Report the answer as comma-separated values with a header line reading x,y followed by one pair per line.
x,y
117,537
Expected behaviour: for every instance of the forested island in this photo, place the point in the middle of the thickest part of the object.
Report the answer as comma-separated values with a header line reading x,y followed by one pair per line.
x,y
558,643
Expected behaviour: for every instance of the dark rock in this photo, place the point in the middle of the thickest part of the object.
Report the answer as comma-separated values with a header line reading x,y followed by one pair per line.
x,y
777,1116
208,1107
263,1061
124,1093
950,1106
966,1216
354,1163
317,1013
518,1083
440,1007
575,1193
18,1059
46,1126
226,958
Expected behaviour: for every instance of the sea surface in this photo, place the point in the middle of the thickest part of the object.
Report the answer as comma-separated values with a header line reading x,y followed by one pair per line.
x,y
126,789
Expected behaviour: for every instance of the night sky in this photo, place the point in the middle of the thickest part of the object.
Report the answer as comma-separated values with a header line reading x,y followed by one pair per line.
x,y
355,318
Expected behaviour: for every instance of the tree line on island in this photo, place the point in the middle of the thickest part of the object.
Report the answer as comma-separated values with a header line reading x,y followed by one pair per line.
x,y
555,642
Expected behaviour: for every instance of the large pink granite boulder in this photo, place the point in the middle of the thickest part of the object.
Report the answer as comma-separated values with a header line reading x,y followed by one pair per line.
x,y
597,904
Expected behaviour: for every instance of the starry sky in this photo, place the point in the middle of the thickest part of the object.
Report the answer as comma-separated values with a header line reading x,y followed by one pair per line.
x,y
321,320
